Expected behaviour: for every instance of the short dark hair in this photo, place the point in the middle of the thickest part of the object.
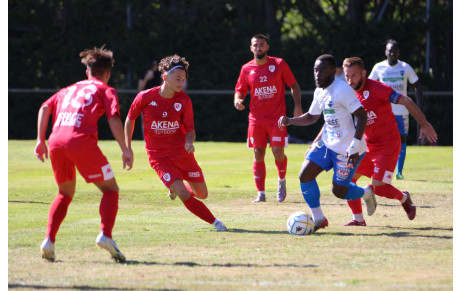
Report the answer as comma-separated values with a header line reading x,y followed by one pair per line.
x,y
170,62
260,36
393,42
353,61
329,59
97,60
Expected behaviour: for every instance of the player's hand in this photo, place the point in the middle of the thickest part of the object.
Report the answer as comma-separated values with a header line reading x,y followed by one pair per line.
x,y
128,159
40,150
189,147
239,105
428,130
353,157
283,122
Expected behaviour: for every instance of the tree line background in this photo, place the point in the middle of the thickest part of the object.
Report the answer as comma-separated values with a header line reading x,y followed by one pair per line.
x,y
45,37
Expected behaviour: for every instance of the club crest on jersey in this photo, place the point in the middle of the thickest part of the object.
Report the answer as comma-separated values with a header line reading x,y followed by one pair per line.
x,y
177,106
401,73
271,68
366,94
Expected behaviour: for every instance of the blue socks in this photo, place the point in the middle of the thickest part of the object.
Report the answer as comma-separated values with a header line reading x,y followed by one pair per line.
x,y
354,192
310,192
401,159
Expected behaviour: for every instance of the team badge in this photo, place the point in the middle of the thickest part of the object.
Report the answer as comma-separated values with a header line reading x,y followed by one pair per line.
x,y
401,73
271,68
167,177
366,94
177,106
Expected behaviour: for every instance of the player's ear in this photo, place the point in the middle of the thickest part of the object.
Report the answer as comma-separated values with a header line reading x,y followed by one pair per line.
x,y
364,72
87,73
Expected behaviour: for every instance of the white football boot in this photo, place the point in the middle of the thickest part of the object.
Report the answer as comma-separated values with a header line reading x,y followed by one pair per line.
x,y
109,244
47,249
219,225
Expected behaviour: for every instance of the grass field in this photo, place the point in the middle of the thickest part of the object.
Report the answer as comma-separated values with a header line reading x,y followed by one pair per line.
x,y
167,248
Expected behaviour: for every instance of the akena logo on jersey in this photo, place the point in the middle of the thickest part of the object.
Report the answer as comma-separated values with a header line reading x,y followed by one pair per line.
x,y
165,127
265,92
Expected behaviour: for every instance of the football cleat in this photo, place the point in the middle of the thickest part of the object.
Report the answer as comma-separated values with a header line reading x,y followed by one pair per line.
x,y
260,198
281,190
219,225
322,223
109,244
371,202
47,249
355,223
399,177
409,206
172,195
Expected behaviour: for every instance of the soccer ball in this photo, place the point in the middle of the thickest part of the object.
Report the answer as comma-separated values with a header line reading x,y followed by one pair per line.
x,y
300,223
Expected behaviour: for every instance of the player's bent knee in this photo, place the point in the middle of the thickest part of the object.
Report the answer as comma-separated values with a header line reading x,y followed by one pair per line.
x,y
183,195
339,192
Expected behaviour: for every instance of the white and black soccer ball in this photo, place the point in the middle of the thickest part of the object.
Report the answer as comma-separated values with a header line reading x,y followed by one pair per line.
x,y
300,223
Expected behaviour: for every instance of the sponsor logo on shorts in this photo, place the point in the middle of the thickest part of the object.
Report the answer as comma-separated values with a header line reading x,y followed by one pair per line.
x,y
343,164
342,174
341,158
387,177
251,140
167,177
107,172
376,170
94,176
276,138
194,174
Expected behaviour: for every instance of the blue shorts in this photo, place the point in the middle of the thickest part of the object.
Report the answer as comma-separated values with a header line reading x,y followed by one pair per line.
x,y
403,124
328,159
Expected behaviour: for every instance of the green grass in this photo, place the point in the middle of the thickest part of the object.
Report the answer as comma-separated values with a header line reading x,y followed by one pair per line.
x,y
169,248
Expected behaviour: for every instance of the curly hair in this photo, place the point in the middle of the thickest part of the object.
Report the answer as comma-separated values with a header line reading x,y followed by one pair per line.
x,y
97,60
169,62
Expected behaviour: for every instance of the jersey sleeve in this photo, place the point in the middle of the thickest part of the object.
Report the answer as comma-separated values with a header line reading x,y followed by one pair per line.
x,y
51,102
411,75
188,116
111,105
314,107
136,107
350,100
242,85
288,76
373,75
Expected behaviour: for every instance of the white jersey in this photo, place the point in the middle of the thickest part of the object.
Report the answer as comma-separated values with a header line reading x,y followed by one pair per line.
x,y
337,103
396,77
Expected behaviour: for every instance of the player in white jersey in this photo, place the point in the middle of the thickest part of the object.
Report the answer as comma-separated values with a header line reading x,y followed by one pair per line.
x,y
341,146
396,74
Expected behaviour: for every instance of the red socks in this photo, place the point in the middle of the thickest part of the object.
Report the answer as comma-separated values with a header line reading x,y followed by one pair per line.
x,y
388,191
199,209
259,175
58,211
281,166
108,211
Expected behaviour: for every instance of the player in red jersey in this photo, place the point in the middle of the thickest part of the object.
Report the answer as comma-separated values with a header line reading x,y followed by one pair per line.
x,y
266,77
382,136
169,134
73,143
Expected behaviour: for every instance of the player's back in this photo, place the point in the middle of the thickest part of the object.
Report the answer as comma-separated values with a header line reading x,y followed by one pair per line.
x,y
76,110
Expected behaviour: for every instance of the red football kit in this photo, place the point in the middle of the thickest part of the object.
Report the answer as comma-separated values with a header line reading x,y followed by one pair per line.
x,y
73,140
267,90
166,122
382,135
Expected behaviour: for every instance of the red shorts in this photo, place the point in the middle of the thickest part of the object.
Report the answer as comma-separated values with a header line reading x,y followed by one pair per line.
x,y
379,162
258,135
89,160
181,165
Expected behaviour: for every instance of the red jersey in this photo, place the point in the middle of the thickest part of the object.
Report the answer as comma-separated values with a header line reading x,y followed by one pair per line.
x,y
376,99
267,84
76,110
166,121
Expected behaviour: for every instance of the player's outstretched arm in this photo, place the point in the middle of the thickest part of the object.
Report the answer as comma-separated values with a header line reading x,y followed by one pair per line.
x,y
425,127
42,123
303,120
117,130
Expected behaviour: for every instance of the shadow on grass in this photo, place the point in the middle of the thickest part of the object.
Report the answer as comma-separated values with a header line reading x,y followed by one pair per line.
x,y
344,204
83,287
408,233
227,265
36,202
238,230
